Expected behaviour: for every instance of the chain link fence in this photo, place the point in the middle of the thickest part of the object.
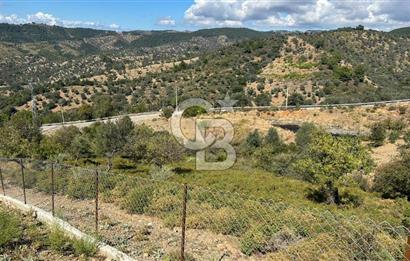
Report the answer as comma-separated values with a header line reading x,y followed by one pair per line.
x,y
153,219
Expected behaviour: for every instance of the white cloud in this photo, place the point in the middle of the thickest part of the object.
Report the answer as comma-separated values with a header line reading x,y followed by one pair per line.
x,y
11,19
49,19
299,14
42,18
166,21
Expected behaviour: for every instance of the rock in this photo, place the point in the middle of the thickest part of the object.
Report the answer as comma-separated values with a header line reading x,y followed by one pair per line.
x,y
150,226
34,214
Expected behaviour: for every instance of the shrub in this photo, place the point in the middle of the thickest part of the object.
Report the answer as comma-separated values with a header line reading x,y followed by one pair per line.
x,y
378,134
167,112
138,200
9,228
81,186
175,256
58,241
393,180
254,140
266,238
230,222
402,109
394,136
84,247
194,111
305,133
272,137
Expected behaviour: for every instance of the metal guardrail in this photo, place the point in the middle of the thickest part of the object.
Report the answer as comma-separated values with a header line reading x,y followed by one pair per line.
x,y
101,119
222,109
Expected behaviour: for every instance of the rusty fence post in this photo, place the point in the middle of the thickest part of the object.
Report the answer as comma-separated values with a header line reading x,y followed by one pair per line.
x,y
183,221
52,189
2,182
24,182
96,200
407,253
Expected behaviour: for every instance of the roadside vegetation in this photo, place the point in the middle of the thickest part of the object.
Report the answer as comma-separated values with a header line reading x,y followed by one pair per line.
x,y
143,171
22,237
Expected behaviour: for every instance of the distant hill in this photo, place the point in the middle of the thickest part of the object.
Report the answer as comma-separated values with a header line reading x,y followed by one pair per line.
x,y
405,31
157,38
27,33
38,32
139,70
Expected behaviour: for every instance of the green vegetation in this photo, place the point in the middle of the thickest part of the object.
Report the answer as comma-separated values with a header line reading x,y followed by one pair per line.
x,y
59,242
404,32
24,237
9,227
393,179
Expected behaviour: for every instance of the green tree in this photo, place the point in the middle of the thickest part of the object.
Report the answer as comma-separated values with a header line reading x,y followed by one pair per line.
x,y
254,140
272,137
305,134
393,179
13,144
326,159
102,106
22,121
162,148
296,99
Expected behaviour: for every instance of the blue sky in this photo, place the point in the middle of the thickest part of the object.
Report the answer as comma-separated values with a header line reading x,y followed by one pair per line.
x,y
195,14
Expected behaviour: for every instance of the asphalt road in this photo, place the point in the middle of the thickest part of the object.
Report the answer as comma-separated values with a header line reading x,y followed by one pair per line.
x,y
136,118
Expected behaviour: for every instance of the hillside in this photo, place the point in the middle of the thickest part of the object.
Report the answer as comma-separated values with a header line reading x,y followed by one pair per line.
x,y
405,31
139,70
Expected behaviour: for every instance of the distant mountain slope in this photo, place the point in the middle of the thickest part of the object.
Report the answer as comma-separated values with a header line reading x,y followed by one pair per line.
x,y
26,33
157,38
139,70
405,31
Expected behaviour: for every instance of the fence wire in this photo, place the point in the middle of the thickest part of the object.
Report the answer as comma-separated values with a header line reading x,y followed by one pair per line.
x,y
145,218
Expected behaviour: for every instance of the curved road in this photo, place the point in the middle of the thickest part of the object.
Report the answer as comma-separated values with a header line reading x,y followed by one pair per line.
x,y
138,117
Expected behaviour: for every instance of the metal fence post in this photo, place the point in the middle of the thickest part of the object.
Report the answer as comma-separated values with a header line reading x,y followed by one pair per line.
x,y
183,222
407,253
96,200
24,182
2,182
52,189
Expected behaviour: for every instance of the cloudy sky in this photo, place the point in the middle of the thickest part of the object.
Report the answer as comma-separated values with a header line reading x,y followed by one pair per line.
x,y
196,14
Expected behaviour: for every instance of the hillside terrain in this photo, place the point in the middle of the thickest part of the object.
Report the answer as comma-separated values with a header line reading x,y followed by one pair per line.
x,y
94,73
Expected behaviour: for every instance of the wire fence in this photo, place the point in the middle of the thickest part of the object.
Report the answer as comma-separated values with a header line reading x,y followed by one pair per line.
x,y
154,219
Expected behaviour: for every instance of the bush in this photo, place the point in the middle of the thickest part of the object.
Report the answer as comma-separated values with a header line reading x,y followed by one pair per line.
x,y
393,180
194,111
305,133
230,222
84,247
167,112
58,241
9,228
81,186
394,136
378,134
402,109
254,140
263,239
138,200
